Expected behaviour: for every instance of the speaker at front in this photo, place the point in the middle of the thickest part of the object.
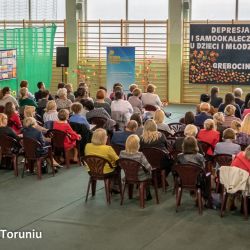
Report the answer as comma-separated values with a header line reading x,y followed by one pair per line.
x,y
62,57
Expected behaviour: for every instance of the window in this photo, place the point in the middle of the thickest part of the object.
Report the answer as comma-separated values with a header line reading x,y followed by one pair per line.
x,y
106,10
244,10
213,9
148,9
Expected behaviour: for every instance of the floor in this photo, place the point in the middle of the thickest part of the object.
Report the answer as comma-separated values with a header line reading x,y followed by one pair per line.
x,y
55,206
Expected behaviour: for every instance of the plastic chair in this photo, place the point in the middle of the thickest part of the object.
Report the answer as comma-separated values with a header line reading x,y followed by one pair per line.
x,y
150,107
186,178
57,140
131,169
166,133
156,157
176,126
7,145
31,148
117,148
96,165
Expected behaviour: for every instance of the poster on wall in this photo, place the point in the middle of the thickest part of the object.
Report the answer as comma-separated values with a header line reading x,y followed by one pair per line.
x,y
7,64
219,54
120,66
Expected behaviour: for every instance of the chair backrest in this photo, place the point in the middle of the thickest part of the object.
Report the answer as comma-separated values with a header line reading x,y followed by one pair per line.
x,y
223,159
164,132
170,144
117,148
30,147
188,174
179,134
7,144
155,156
57,138
205,146
130,168
96,165
176,126
120,118
150,107
98,121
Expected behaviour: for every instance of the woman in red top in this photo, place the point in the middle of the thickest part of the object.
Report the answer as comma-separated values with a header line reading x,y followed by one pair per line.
x,y
13,117
63,125
242,160
209,135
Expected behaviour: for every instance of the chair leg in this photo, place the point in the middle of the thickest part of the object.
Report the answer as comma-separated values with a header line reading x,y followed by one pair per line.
x,y
245,207
51,161
24,167
86,199
142,194
39,169
163,180
15,165
123,192
199,200
93,187
178,198
67,158
106,183
155,184
223,203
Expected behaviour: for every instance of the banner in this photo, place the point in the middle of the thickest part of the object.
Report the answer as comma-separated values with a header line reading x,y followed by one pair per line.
x,y
120,67
219,54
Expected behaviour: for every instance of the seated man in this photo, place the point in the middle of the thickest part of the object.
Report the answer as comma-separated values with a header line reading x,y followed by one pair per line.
x,y
120,137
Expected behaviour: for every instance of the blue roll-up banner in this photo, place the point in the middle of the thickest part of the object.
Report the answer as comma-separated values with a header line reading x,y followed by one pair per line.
x,y
219,54
120,67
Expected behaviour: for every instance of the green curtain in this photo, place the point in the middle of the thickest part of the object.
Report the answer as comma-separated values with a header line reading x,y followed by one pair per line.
x,y
34,54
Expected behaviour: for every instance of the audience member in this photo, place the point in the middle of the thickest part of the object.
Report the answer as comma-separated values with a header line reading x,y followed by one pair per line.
x,y
106,99
246,110
150,98
229,99
219,119
237,95
137,117
205,98
159,117
100,101
70,94
247,99
39,94
24,98
120,137
243,138
227,146
76,108
132,87
51,113
24,84
229,115
203,116
215,100
63,102
7,97
135,100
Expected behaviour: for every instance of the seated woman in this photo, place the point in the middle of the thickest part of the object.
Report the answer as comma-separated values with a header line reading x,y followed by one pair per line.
x,y
203,115
100,101
76,108
132,152
218,121
32,132
230,99
227,146
13,117
24,98
121,110
82,93
51,113
151,138
242,160
63,125
70,94
137,117
159,117
5,96
243,138
63,102
5,130
132,87
97,112
190,153
229,115
135,100
150,98
209,135
188,118
117,87
30,111
98,147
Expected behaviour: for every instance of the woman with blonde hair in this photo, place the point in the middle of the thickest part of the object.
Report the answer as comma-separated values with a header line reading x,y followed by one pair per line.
x,y
219,119
51,113
229,115
30,111
159,117
236,126
132,152
63,102
98,147
243,138
24,98
209,135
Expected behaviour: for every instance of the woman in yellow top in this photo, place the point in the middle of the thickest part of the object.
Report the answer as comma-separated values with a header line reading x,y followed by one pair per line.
x,y
98,147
